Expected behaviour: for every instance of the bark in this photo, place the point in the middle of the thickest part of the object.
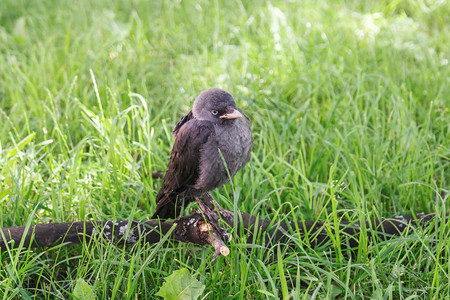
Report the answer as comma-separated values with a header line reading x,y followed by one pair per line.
x,y
193,228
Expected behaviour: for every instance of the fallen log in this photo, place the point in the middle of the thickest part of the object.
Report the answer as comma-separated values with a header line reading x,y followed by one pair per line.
x,y
195,229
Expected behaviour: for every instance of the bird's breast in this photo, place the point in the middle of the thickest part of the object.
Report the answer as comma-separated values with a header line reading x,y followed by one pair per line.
x,y
227,151
235,142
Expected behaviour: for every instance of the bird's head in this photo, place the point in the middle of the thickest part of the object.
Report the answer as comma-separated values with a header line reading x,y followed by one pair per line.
x,y
215,104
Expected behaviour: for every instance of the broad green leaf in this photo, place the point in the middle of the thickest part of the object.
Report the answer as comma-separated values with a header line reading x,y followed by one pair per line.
x,y
181,286
83,291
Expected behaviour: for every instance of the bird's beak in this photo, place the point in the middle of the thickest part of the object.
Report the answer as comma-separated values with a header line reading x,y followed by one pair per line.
x,y
231,114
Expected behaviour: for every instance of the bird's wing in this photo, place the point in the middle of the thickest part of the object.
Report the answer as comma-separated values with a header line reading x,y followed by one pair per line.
x,y
180,123
183,168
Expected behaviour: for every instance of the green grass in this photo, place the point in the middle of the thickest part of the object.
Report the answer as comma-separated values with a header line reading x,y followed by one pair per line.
x,y
349,104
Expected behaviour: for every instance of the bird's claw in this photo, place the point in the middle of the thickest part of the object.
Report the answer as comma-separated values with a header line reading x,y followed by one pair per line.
x,y
210,214
218,234
218,210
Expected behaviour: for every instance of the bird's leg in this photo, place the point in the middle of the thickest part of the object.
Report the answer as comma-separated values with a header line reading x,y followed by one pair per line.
x,y
207,210
212,216
225,214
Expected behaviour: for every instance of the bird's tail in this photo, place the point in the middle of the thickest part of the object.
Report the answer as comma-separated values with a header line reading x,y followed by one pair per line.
x,y
168,206
167,211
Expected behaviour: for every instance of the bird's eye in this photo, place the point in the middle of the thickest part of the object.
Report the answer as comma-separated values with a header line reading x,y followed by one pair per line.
x,y
214,112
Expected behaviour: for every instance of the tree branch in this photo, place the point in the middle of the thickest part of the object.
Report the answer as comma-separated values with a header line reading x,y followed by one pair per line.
x,y
193,228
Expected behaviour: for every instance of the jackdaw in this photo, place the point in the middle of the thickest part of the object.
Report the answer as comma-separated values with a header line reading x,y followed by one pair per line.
x,y
212,142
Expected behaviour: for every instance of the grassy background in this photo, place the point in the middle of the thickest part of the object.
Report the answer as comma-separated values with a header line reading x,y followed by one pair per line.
x,y
349,104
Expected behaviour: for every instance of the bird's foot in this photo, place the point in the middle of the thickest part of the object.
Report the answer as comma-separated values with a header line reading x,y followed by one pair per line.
x,y
207,211
225,214
213,218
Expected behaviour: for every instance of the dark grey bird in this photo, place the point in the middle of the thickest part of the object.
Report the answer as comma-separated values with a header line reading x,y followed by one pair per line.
x,y
212,142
